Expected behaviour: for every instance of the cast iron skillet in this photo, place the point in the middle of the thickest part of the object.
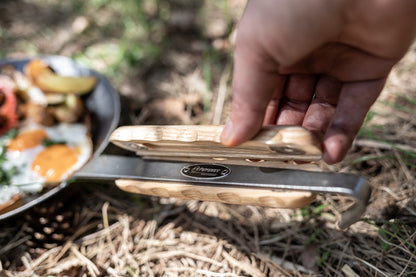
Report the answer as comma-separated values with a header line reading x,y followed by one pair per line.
x,y
103,103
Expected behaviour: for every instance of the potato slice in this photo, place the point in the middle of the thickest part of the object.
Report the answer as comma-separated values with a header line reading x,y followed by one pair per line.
x,y
70,111
42,75
36,67
55,98
51,82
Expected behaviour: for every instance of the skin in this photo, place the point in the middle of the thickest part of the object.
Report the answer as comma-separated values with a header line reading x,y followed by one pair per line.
x,y
320,64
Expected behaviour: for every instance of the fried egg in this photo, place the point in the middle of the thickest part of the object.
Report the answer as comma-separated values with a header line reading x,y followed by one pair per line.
x,y
67,149
7,192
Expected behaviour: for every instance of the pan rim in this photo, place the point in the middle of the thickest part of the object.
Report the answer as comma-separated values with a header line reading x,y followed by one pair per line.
x,y
98,149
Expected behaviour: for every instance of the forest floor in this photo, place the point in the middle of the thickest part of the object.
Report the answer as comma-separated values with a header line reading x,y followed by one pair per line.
x,y
170,60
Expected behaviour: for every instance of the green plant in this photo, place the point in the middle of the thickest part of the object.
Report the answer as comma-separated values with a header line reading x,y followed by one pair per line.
x,y
392,231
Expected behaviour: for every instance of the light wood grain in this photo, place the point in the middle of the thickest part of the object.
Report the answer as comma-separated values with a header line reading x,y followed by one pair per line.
x,y
312,166
240,196
274,146
272,143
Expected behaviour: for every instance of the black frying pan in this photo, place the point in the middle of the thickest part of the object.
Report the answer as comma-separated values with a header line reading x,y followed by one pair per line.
x,y
103,103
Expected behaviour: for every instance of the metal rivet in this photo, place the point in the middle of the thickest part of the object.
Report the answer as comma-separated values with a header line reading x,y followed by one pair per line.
x,y
136,146
225,172
288,150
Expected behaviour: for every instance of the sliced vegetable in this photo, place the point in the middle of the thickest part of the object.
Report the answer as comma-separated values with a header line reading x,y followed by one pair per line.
x,y
34,68
55,98
70,111
51,82
8,115
47,80
49,142
37,114
6,175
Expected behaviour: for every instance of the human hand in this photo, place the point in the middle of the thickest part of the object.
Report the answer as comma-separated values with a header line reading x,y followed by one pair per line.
x,y
320,64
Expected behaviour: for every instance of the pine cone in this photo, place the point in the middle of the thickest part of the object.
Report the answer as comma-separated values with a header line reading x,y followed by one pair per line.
x,y
51,223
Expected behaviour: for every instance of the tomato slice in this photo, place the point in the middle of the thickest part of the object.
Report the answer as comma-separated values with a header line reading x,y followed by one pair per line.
x,y
8,104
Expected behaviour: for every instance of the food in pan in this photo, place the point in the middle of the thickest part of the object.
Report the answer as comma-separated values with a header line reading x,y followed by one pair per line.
x,y
42,76
44,129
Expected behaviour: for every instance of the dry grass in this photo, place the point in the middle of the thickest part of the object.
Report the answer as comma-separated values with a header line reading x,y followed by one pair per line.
x,y
124,235
112,233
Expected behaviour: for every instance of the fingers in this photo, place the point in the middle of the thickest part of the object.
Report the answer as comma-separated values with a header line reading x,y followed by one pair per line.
x,y
254,83
248,108
289,105
296,99
322,108
337,112
354,102
273,106
268,37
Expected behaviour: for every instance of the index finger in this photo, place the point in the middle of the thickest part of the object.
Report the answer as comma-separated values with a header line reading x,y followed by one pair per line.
x,y
253,88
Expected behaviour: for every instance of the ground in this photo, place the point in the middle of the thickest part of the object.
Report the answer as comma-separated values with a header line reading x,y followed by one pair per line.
x,y
170,61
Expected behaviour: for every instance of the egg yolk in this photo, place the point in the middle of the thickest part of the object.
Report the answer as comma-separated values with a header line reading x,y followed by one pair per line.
x,y
53,162
28,139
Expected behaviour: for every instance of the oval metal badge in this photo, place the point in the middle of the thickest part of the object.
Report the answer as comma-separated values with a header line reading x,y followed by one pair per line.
x,y
206,171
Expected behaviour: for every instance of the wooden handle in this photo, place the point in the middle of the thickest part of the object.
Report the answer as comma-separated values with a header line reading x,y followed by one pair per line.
x,y
240,196
273,147
272,143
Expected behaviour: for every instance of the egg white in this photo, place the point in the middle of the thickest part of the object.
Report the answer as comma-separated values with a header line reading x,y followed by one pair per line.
x,y
28,181
7,192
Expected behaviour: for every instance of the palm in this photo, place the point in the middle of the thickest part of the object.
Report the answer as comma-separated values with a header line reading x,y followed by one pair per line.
x,y
322,90
311,63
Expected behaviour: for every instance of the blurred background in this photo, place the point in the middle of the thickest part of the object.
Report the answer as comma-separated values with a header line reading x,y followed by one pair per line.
x,y
168,59
171,61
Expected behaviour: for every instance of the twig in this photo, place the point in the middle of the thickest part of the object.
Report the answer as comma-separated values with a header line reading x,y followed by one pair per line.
x,y
64,249
151,254
405,268
285,264
43,257
29,268
214,274
89,239
397,198
149,270
10,246
106,227
222,91
218,252
92,268
383,145
396,246
347,270
404,168
200,271
64,265
247,268
343,253
288,233
256,237
368,264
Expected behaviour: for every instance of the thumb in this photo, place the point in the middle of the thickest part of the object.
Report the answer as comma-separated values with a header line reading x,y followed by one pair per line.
x,y
254,85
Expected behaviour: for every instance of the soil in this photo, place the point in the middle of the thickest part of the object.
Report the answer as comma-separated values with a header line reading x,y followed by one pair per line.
x,y
182,61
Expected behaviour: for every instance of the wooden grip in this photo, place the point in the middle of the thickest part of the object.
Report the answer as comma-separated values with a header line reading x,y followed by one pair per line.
x,y
272,143
240,196
274,146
